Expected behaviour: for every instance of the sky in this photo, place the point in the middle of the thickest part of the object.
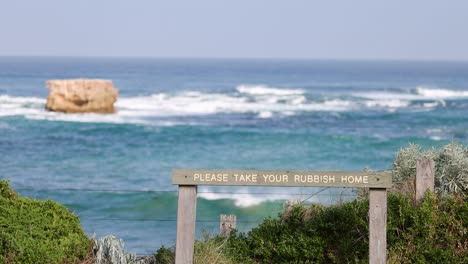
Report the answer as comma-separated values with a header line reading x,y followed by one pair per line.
x,y
303,29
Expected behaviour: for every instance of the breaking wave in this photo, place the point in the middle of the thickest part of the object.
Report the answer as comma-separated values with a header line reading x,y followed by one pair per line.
x,y
440,93
261,101
419,93
265,90
248,197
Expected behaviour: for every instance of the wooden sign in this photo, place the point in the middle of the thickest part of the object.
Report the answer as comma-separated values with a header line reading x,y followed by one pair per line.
x,y
188,180
282,178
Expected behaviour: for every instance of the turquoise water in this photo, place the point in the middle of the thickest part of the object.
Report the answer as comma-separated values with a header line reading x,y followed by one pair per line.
x,y
114,171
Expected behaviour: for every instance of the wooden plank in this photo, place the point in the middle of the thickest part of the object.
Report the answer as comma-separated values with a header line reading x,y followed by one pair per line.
x,y
282,178
377,226
226,224
186,216
425,169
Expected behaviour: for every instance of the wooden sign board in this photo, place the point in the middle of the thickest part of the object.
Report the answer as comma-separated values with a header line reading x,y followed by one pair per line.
x,y
282,178
377,182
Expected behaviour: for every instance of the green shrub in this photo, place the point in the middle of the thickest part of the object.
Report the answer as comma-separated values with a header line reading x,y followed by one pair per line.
x,y
165,255
435,231
306,234
33,231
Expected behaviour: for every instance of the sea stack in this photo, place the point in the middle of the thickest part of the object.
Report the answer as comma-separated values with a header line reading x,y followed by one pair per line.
x,y
81,96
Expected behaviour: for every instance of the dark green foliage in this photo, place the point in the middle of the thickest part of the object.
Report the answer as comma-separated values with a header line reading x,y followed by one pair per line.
x,y
274,241
306,235
33,231
165,255
434,232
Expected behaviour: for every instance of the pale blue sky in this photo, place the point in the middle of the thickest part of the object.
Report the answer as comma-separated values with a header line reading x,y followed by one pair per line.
x,y
358,29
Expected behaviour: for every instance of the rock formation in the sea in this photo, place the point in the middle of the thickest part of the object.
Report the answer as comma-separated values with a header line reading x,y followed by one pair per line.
x,y
81,96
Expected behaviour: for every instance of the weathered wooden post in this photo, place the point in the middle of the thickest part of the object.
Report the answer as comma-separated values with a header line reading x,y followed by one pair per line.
x,y
377,226
226,224
425,169
186,218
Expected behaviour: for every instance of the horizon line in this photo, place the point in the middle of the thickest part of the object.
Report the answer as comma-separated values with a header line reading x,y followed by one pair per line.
x,y
240,58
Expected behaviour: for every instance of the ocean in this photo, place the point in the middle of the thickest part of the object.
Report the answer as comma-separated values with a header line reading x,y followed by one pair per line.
x,y
114,171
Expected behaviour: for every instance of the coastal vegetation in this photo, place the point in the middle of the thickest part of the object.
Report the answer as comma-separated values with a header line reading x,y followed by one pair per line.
x,y
434,230
451,168
33,231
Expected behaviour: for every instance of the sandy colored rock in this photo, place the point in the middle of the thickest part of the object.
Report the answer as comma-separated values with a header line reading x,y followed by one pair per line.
x,y
81,96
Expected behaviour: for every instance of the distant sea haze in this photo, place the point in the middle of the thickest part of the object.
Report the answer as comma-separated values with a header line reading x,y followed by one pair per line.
x,y
114,171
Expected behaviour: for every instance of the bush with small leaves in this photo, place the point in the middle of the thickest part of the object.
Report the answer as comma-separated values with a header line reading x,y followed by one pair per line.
x,y
33,231
435,231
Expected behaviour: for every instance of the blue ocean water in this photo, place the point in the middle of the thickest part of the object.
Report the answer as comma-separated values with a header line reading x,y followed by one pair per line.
x,y
114,171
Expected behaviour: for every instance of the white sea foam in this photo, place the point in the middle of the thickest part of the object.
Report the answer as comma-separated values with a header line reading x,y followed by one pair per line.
x,y
435,93
265,114
390,103
379,95
34,108
270,95
182,104
82,118
246,199
431,104
11,105
240,200
142,108
419,93
409,99
197,103
261,101
20,100
265,90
